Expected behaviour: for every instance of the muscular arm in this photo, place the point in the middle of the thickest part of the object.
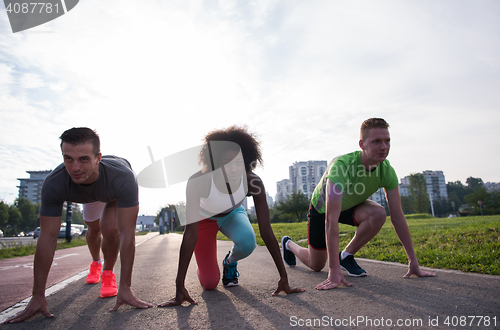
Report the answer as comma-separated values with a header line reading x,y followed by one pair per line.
x,y
257,190
333,209
190,236
188,244
45,249
401,227
127,219
44,255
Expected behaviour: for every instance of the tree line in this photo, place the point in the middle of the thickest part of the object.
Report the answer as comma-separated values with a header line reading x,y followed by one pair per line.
x,y
23,216
462,199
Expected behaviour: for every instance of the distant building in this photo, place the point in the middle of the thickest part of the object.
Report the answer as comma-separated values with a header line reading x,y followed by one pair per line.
x,y
404,187
304,176
283,188
252,212
492,186
270,201
436,185
379,197
31,188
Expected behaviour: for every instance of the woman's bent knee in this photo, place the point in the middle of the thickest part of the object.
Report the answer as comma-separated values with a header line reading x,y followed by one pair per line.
x,y
247,248
208,281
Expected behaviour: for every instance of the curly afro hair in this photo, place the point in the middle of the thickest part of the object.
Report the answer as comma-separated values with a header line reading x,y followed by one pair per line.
x,y
242,140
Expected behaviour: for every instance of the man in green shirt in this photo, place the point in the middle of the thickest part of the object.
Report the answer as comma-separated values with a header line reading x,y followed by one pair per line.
x,y
342,196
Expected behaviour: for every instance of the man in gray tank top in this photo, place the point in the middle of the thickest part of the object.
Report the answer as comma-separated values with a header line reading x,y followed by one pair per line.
x,y
105,185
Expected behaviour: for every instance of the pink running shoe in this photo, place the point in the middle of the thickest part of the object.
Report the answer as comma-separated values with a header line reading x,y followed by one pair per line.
x,y
94,273
108,284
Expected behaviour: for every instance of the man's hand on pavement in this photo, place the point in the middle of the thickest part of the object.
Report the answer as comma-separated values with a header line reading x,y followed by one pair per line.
x,y
125,296
37,305
333,281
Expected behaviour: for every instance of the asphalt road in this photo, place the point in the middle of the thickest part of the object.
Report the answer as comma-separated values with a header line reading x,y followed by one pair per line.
x,y
382,300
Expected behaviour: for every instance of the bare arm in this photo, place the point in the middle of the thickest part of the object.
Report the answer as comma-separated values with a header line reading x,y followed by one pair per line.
x,y
333,209
44,255
256,188
188,244
127,219
401,227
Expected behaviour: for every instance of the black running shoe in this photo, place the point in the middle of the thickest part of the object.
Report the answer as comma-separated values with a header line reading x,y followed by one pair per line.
x,y
230,273
288,255
351,266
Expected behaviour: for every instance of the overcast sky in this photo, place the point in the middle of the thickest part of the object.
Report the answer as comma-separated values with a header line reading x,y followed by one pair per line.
x,y
303,75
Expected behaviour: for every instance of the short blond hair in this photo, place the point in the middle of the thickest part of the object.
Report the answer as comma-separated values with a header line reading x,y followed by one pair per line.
x,y
368,124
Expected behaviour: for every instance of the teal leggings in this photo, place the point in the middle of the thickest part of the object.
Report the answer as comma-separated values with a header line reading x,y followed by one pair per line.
x,y
235,226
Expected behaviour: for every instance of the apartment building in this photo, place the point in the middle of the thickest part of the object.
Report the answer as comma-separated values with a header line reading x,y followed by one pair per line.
x,y
31,188
303,177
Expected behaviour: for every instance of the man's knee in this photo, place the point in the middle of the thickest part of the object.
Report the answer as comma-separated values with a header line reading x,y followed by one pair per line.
x,y
379,216
317,259
93,228
317,266
373,214
109,231
109,226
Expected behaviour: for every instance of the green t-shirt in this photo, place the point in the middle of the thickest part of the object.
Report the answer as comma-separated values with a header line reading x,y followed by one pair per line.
x,y
355,182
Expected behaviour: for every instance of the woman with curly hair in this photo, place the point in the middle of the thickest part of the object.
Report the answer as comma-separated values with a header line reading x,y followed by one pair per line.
x,y
214,198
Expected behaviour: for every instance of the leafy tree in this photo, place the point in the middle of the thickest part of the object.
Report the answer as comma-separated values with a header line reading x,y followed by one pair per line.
x,y
4,214
418,192
474,183
493,203
456,193
76,214
441,207
77,217
15,221
28,213
407,205
274,214
480,194
294,207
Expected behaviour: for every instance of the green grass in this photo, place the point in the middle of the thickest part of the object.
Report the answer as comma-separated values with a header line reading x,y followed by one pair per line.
x,y
470,244
16,249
